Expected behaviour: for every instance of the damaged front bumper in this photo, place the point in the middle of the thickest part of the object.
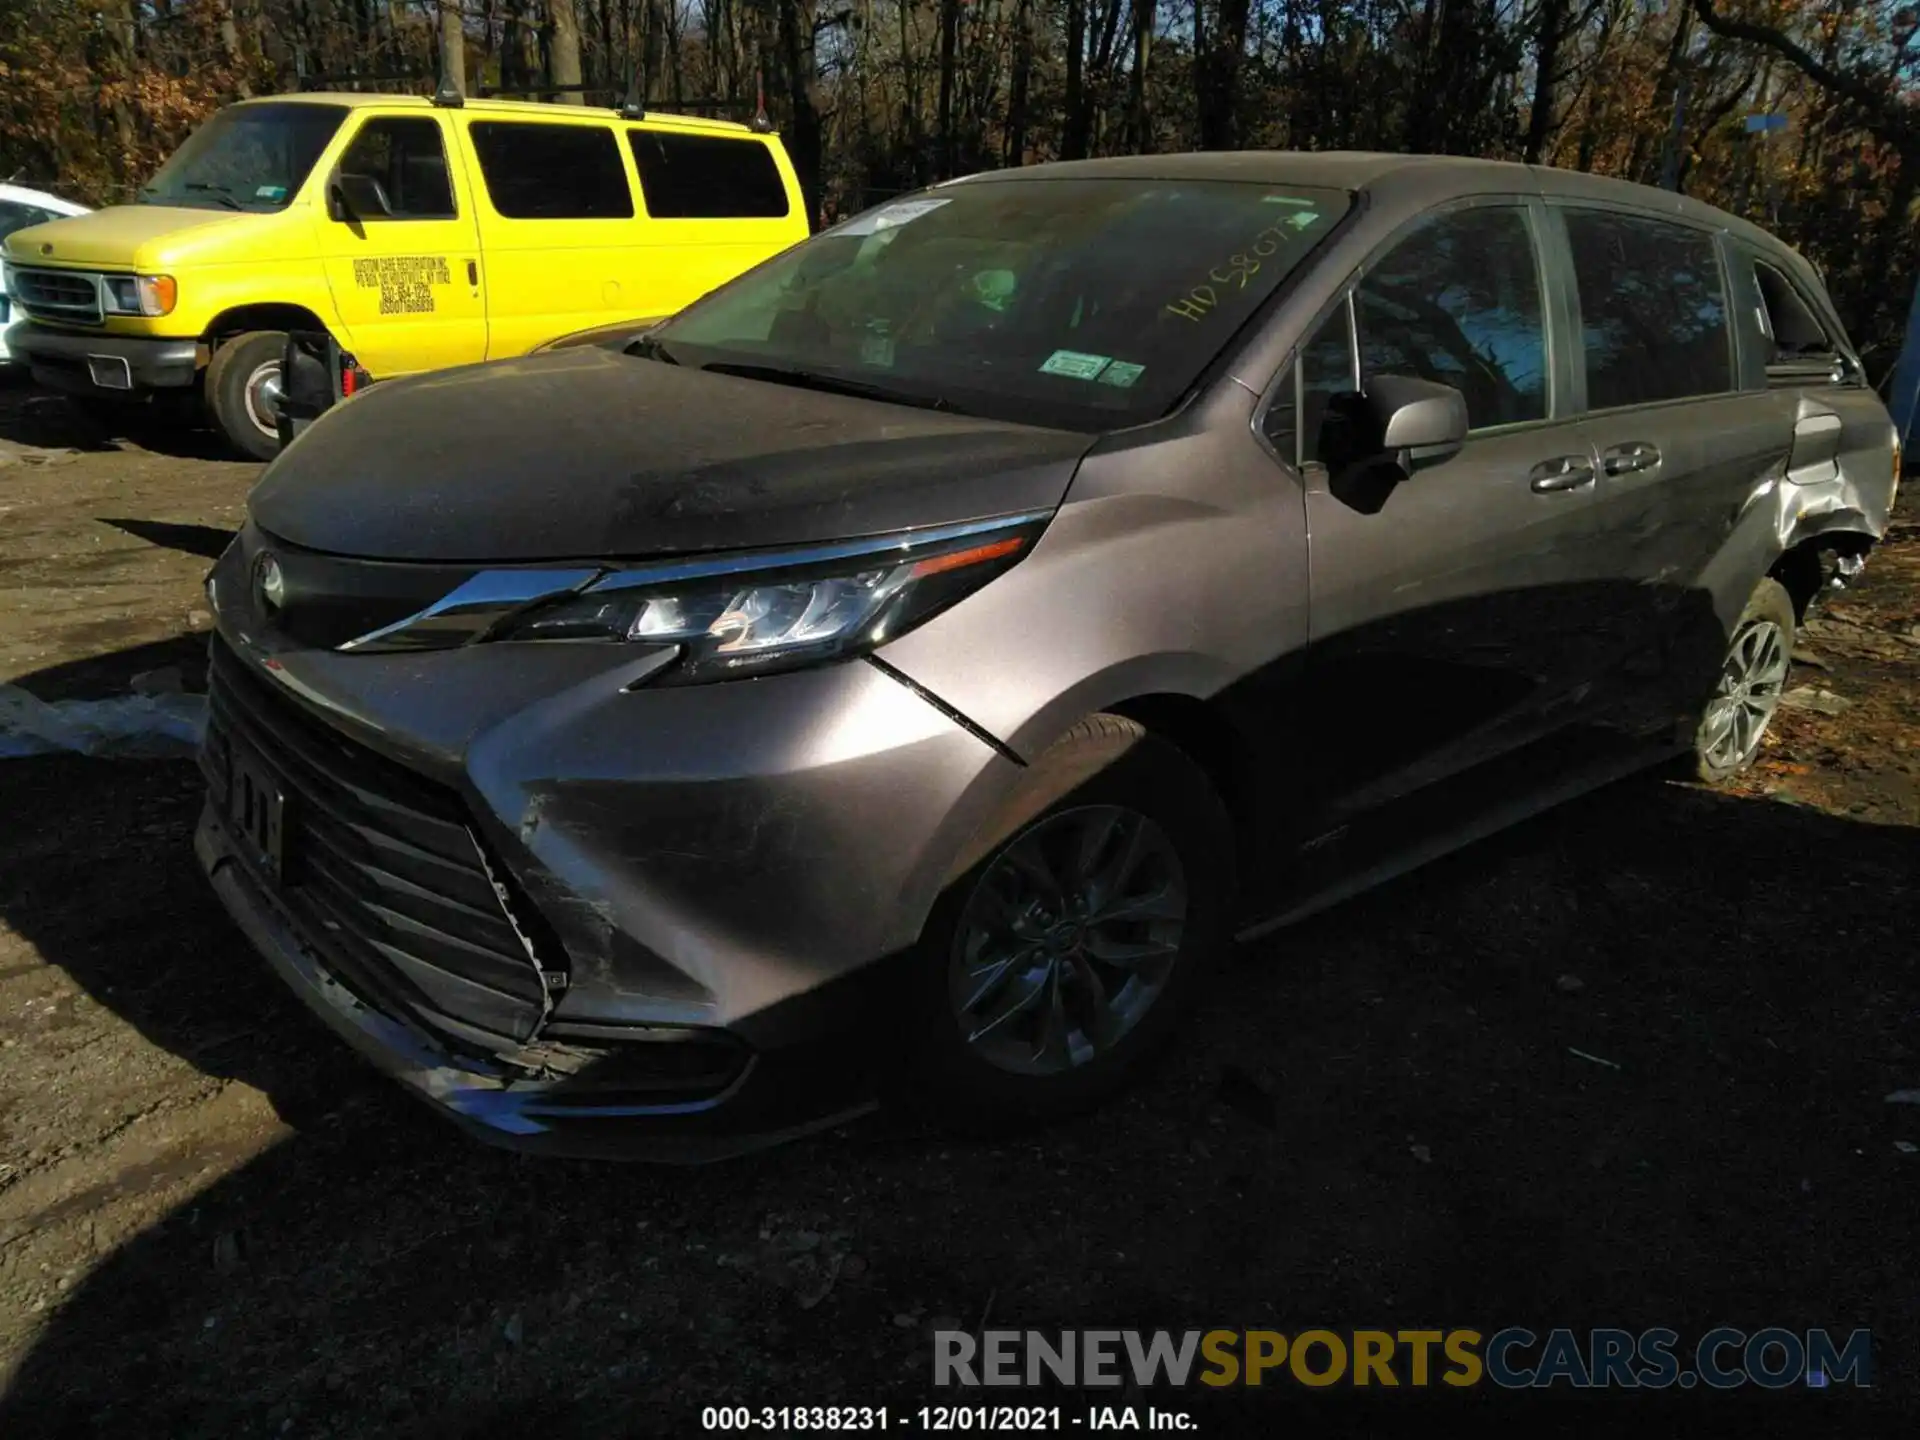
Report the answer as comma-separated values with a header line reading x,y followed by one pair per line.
x,y
551,1098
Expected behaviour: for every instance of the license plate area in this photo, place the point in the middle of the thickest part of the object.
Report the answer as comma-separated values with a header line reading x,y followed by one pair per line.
x,y
249,794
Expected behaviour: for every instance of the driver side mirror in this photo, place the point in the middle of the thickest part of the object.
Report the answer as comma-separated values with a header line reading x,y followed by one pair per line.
x,y
1416,420
356,197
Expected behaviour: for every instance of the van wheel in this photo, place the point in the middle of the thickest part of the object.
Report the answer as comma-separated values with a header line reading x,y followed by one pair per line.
x,y
1059,963
1752,678
244,390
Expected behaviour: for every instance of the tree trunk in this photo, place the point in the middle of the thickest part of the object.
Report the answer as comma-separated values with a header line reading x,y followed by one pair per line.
x,y
1073,139
949,43
804,144
563,50
453,46
1139,127
1553,20
1019,85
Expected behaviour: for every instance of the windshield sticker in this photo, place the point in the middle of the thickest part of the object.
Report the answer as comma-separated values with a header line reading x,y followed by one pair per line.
x,y
1233,273
1074,365
405,282
876,349
269,192
1122,373
891,217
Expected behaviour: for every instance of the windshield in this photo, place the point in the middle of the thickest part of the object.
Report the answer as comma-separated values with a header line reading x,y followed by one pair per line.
x,y
1087,304
249,157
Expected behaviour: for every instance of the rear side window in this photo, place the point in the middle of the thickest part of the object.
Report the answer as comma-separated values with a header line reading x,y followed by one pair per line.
x,y
405,162
552,172
706,177
1458,302
1796,332
1652,307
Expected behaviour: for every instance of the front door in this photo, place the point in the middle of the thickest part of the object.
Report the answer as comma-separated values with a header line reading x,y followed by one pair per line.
x,y
1453,609
404,264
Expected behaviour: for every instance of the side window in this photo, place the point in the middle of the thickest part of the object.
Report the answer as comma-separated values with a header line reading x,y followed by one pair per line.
x,y
404,162
1796,332
1303,422
705,177
1458,301
536,171
1652,307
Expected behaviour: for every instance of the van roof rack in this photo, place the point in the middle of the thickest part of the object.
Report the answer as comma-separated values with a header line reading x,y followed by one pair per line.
x,y
449,95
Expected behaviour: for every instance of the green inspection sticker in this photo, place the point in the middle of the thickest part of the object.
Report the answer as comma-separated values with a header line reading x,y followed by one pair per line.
x,y
1075,365
1122,373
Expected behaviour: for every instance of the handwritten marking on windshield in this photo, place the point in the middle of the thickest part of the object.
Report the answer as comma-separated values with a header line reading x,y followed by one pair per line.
x,y
1234,273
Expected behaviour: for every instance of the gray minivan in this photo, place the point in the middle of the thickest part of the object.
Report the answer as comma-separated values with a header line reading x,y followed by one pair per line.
x,y
902,670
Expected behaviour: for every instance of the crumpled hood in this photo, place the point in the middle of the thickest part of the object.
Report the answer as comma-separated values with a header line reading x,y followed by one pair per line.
x,y
589,454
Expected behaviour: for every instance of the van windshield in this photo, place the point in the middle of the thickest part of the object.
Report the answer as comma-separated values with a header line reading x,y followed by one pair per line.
x,y
248,157
1087,304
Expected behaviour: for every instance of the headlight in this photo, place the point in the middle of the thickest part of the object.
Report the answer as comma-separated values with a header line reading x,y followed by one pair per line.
x,y
729,619
150,295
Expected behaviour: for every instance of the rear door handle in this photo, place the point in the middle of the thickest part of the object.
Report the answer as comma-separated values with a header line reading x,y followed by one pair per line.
x,y
473,272
1568,472
1634,455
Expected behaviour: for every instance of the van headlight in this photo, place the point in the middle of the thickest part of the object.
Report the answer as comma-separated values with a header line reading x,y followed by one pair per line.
x,y
733,620
149,295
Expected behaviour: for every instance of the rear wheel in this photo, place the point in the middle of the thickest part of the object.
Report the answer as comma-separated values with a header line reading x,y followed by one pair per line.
x,y
244,389
1056,967
1752,678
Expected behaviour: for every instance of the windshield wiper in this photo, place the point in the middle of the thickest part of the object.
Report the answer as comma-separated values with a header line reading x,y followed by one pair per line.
x,y
648,348
222,193
830,384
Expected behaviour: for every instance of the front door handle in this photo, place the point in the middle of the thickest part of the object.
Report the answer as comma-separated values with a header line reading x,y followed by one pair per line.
x,y
1568,472
1634,455
473,272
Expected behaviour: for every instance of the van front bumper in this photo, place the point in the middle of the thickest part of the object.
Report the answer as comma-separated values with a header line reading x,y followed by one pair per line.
x,y
124,367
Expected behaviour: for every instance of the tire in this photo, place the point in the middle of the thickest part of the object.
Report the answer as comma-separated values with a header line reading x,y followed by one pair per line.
x,y
1759,654
242,382
1108,777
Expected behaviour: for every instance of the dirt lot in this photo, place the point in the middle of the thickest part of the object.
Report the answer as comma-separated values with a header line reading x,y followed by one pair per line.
x,y
1624,1066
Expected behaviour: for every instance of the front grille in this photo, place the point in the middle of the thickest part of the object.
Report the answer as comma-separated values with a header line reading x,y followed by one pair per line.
x,y
383,871
70,297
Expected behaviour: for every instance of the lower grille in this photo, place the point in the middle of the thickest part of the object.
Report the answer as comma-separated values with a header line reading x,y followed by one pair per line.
x,y
62,296
383,871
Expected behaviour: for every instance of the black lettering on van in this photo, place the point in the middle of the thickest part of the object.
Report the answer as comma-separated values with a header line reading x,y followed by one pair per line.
x,y
405,282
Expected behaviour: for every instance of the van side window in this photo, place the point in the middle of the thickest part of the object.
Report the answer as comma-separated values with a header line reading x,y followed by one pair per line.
x,y
405,161
705,177
1799,346
1303,416
1458,301
537,171
1652,307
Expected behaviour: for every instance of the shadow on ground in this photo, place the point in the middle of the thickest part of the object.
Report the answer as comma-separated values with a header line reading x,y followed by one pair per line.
x,y
35,417
1622,1066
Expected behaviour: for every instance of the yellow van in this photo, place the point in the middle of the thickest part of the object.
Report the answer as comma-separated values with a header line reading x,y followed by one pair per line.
x,y
417,233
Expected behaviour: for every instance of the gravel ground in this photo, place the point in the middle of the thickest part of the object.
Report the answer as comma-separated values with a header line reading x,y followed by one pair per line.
x,y
1625,1065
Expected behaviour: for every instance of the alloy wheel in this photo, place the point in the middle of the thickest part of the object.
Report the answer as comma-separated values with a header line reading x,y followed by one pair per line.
x,y
1748,694
1067,940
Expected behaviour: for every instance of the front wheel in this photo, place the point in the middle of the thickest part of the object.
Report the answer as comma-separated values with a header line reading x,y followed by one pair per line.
x,y
1061,961
244,387
1752,678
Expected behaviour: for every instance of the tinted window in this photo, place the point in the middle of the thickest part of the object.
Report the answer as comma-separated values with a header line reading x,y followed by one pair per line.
x,y
15,216
703,177
1458,301
406,161
1089,303
1790,322
1652,309
247,157
552,172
